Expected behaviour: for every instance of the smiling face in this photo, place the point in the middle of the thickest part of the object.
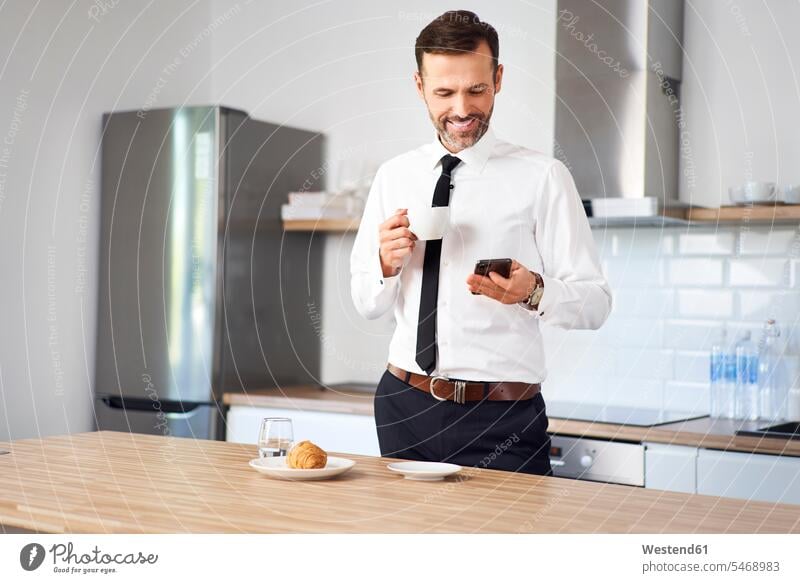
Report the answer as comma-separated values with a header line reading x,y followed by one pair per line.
x,y
459,91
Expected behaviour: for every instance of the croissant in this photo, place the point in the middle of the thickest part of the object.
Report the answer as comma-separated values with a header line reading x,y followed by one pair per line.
x,y
305,455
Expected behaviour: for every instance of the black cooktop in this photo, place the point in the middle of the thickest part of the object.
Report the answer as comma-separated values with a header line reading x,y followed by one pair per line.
x,y
638,416
790,430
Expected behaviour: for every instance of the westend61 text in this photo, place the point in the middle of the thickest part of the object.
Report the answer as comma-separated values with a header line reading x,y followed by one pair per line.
x,y
673,550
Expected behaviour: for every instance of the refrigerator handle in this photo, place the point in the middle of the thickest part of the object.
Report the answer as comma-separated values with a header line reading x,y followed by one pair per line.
x,y
149,405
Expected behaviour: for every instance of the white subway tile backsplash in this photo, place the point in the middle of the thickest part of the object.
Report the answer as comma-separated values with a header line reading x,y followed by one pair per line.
x,y
633,392
644,363
619,331
691,335
643,302
576,352
596,358
695,272
760,305
691,398
574,387
766,241
673,296
627,272
707,243
792,364
758,272
691,366
790,330
708,303
634,243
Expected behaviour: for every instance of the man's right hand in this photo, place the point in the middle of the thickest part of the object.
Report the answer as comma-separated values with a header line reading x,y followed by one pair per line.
x,y
397,242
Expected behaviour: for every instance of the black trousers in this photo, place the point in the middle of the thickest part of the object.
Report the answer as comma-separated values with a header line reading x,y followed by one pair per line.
x,y
495,435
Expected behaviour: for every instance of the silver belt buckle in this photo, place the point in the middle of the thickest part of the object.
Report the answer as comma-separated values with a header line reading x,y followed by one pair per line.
x,y
433,387
460,394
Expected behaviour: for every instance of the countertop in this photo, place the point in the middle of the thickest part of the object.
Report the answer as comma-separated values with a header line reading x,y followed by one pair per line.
x,y
132,483
709,433
330,399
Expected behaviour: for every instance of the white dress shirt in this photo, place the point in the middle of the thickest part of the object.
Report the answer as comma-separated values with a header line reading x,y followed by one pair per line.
x,y
506,201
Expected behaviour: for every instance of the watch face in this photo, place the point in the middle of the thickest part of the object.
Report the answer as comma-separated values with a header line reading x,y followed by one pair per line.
x,y
537,296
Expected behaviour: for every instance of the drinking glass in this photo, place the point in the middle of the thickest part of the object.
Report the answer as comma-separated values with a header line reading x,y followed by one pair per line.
x,y
275,437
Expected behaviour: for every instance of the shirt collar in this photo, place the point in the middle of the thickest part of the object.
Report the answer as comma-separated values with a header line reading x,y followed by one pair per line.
x,y
474,157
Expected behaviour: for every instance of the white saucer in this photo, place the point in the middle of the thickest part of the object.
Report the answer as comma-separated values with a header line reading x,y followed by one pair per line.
x,y
275,467
425,471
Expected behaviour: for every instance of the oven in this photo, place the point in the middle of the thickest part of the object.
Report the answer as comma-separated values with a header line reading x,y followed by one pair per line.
x,y
597,460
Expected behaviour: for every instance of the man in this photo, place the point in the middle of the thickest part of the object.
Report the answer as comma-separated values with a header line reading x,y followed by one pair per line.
x,y
463,380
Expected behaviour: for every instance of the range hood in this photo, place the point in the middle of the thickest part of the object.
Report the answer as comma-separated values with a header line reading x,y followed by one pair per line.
x,y
618,115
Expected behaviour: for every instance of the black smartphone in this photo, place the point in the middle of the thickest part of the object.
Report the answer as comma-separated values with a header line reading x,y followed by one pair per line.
x,y
486,266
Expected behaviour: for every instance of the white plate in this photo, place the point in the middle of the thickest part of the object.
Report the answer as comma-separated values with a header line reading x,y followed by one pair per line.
x,y
275,467
426,471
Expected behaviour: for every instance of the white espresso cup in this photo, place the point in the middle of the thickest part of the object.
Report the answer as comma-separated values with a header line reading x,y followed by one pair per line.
x,y
429,223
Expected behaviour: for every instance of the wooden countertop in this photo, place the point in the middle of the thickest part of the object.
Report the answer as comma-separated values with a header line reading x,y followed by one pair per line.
x,y
709,433
119,482
705,432
344,398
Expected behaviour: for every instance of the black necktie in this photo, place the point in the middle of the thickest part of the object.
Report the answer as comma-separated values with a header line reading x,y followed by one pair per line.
x,y
426,326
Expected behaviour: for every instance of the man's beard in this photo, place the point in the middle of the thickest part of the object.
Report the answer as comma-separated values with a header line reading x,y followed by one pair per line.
x,y
457,140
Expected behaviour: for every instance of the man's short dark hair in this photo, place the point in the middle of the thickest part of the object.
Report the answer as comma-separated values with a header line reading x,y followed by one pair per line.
x,y
454,32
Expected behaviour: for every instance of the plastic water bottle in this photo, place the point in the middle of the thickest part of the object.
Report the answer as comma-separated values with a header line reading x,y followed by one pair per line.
x,y
772,379
729,385
747,392
717,362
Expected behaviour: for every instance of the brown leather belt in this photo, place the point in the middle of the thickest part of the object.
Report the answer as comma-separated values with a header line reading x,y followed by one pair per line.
x,y
445,389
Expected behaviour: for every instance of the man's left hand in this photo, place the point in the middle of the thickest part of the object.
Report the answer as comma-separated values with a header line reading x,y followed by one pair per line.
x,y
510,290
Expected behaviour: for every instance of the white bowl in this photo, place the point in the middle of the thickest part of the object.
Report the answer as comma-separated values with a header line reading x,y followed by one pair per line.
x,y
753,193
791,194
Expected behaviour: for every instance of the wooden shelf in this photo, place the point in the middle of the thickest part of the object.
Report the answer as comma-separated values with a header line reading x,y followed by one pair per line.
x,y
328,225
778,213
762,214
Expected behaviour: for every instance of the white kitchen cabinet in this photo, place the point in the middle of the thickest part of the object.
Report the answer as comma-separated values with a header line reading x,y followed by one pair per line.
x,y
670,467
770,478
335,432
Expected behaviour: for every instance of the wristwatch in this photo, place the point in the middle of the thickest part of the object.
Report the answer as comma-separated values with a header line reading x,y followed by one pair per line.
x,y
533,299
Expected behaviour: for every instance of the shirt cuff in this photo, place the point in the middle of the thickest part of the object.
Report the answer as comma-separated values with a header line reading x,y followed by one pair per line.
x,y
384,283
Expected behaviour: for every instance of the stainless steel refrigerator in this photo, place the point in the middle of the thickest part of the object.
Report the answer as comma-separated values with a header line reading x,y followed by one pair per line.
x,y
200,289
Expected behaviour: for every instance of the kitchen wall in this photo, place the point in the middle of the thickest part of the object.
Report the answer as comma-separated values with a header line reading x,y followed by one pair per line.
x,y
62,67
741,96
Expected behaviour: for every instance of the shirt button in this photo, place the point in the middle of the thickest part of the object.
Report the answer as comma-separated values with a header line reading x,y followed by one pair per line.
x,y
445,262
